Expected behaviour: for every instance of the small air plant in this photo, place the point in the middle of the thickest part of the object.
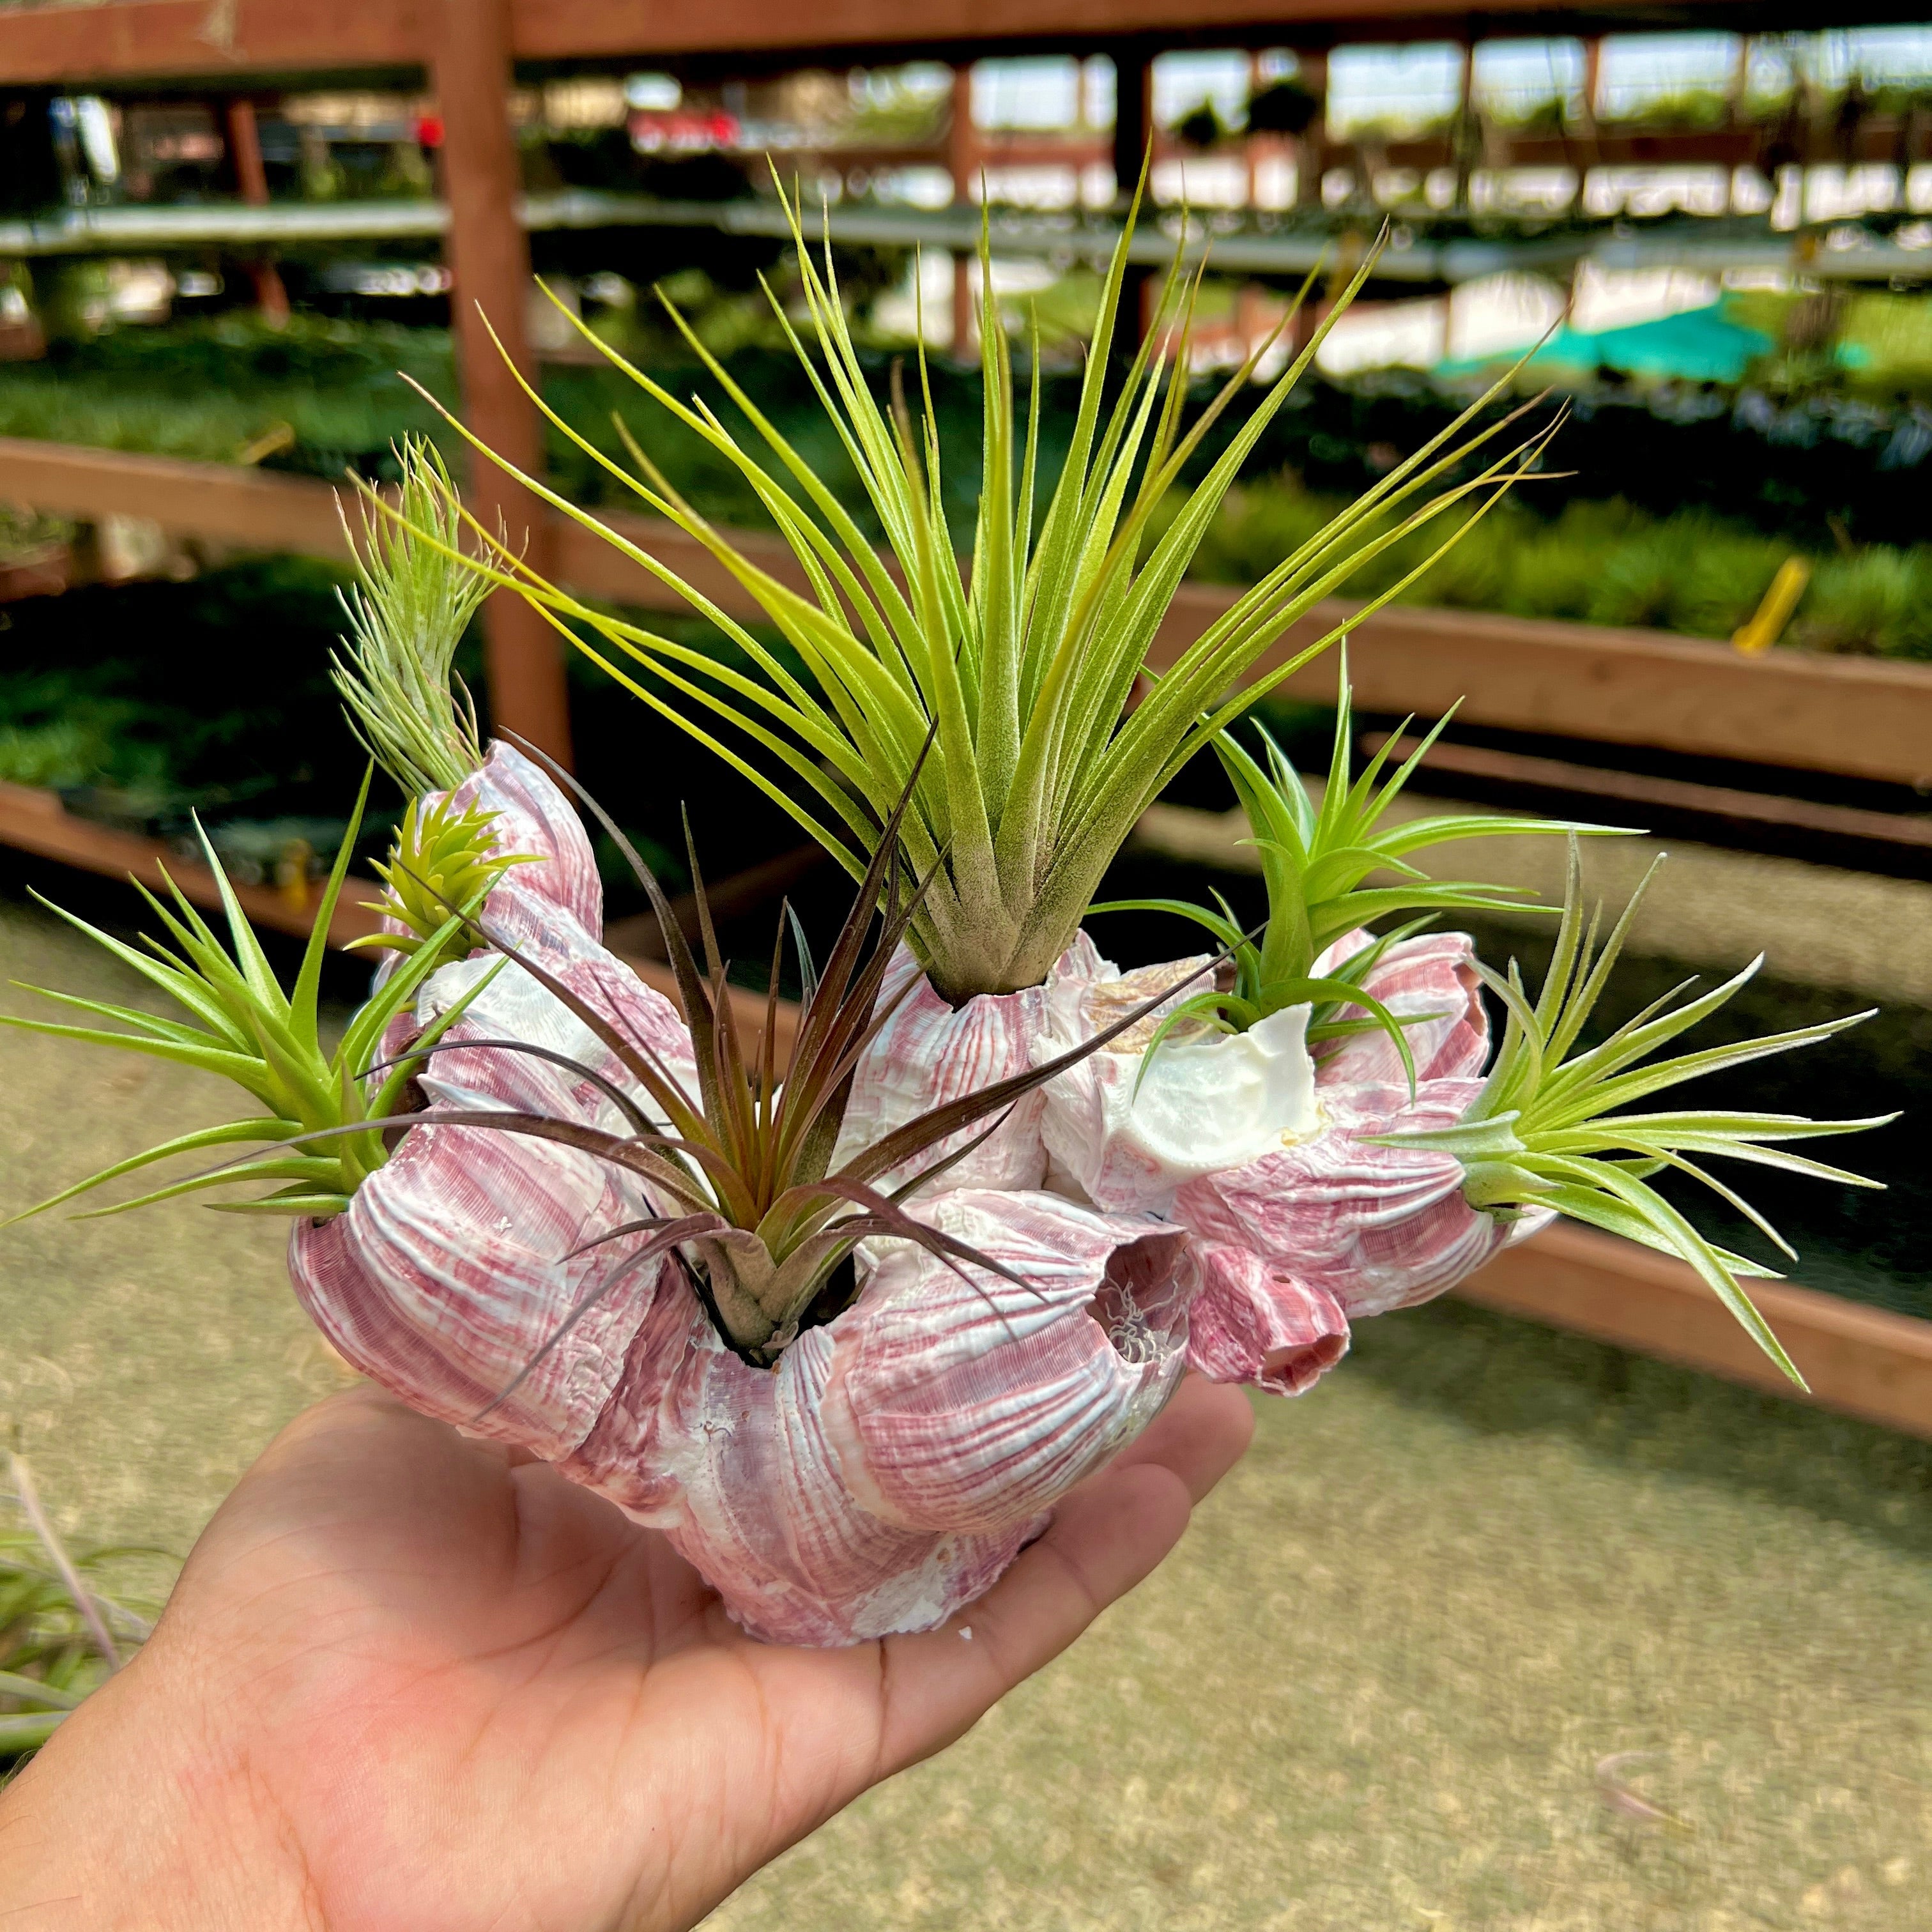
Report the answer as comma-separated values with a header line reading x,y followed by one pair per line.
x,y
407,613
60,1637
320,1131
1542,1133
744,1166
404,701
1023,665
443,860
1316,858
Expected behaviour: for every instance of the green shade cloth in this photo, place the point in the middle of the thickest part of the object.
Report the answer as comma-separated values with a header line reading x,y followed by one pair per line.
x,y
1701,345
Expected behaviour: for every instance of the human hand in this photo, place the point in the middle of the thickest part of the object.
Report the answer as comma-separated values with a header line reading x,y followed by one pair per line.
x,y
409,1682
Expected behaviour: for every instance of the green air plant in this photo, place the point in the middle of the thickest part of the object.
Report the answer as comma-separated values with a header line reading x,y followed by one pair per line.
x,y
320,1126
1315,860
413,600
441,862
1544,1132
1020,667
745,1165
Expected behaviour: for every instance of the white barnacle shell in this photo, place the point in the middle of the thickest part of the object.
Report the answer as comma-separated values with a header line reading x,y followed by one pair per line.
x,y
1372,1227
1129,1127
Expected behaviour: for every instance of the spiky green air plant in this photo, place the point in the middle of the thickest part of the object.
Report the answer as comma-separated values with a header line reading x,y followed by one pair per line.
x,y
321,1121
744,1166
1025,666
441,862
1315,860
408,611
1544,1132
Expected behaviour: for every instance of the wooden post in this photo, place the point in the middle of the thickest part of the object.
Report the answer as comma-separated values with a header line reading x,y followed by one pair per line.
x,y
251,179
1311,66
489,257
962,154
1468,140
1133,134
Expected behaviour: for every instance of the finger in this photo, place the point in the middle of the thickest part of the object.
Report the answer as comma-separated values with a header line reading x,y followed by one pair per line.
x,y
1200,1434
1106,1535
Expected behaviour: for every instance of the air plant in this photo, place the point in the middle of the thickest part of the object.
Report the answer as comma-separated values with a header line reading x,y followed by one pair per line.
x,y
1316,858
744,1166
443,859
320,1131
413,601
1023,666
1544,1132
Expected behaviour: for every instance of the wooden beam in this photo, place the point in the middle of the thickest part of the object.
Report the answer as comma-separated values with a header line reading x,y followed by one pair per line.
x,y
1862,717
1861,1360
36,822
251,177
1762,813
489,257
247,507
155,40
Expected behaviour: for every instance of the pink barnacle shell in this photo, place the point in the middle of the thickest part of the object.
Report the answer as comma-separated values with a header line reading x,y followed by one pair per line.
x,y
513,1006
894,1462
1377,1227
534,816
1433,974
929,1052
959,1399
732,1462
452,1268
1253,1321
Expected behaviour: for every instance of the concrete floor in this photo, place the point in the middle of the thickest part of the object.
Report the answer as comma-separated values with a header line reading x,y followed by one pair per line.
x,y
1373,1690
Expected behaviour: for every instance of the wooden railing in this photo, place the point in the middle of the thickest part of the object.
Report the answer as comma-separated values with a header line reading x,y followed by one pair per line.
x,y
1863,718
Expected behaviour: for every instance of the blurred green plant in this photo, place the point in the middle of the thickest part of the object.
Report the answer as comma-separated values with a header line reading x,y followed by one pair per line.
x,y
61,1637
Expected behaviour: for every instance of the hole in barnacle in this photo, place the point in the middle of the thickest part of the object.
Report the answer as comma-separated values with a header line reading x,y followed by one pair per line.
x,y
839,1292
413,1101
1139,1302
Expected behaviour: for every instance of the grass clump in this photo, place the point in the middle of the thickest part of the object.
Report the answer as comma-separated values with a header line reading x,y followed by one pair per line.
x,y
60,1637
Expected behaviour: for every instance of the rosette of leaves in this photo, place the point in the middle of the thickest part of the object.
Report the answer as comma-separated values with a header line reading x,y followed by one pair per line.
x,y
1019,666
1317,858
753,1207
443,860
321,1112
1545,1131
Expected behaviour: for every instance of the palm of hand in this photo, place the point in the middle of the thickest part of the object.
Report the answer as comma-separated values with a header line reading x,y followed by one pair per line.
x,y
449,1689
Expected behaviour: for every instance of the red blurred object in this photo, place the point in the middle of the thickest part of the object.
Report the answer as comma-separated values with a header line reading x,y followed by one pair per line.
x,y
429,131
682,130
